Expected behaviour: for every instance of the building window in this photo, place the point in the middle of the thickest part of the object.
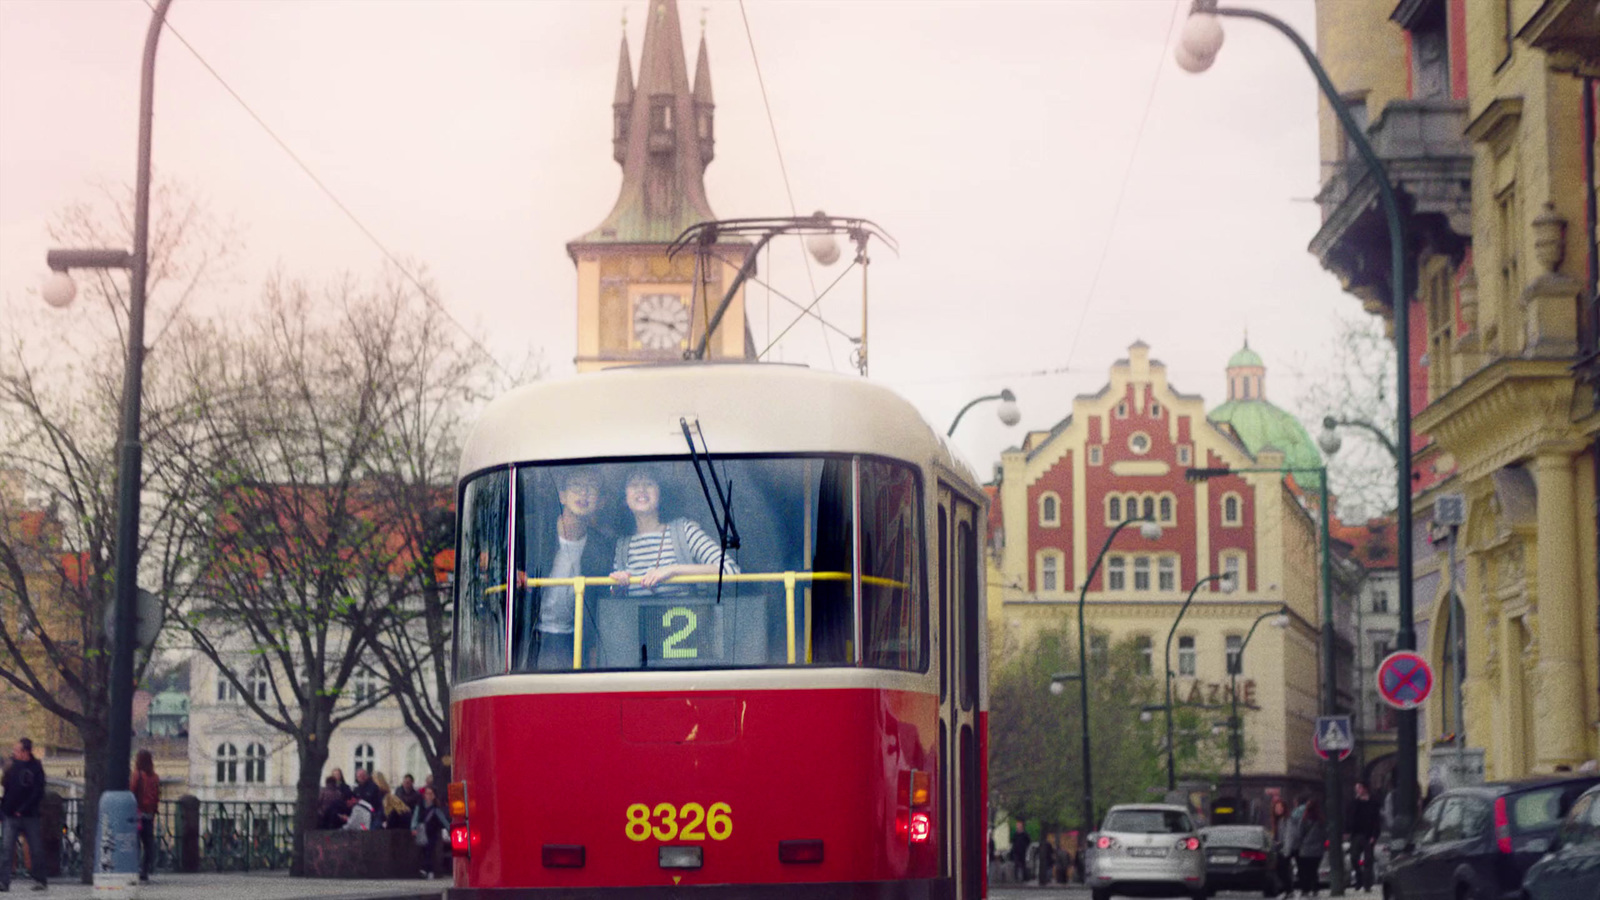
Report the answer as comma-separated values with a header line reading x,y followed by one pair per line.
x,y
1184,455
366,758
258,681
255,764
1147,655
1150,509
661,114
1164,509
1099,646
1233,566
1049,571
227,764
1380,600
1094,455
1233,643
1141,573
364,685
1050,510
1116,573
1155,410
1167,573
1113,509
1186,656
1380,651
1122,410
1231,510
1139,442
227,691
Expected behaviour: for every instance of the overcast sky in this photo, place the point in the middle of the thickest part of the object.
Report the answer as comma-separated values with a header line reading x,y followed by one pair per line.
x,y
991,139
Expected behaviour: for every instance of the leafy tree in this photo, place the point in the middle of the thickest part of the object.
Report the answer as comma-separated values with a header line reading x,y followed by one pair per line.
x,y
60,401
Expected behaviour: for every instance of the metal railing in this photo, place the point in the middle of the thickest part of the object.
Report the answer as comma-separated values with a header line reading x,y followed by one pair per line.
x,y
233,836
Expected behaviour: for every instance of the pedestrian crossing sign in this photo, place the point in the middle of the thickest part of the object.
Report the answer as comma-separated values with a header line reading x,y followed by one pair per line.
x,y
1333,738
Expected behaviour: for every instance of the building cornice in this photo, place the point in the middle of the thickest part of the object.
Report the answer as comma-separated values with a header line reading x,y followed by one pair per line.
x,y
1503,412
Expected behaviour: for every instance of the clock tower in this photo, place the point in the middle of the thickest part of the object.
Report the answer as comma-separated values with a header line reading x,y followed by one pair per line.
x,y
634,304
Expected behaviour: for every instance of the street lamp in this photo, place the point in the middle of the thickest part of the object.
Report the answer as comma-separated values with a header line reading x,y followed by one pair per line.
x,y
1228,584
1150,531
1330,441
58,291
1280,620
1197,49
1330,669
1009,413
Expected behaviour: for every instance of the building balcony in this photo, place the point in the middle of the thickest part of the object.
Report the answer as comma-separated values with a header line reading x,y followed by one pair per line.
x,y
1429,161
1568,31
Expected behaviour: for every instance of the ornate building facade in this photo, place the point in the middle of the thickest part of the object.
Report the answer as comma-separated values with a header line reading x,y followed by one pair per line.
x,y
636,304
1485,120
1122,453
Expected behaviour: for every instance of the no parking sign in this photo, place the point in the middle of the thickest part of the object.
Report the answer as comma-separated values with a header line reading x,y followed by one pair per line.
x,y
1404,679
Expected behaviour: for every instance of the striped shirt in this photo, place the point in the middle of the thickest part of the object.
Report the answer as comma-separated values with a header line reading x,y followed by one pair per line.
x,y
655,549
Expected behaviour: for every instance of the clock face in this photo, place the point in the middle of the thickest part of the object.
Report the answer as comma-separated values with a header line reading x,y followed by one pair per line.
x,y
660,321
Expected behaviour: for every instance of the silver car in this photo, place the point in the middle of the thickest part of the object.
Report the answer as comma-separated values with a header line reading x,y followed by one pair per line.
x,y
1148,850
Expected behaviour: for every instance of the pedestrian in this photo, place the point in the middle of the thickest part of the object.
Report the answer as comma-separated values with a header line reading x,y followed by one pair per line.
x,y
428,825
396,812
358,816
344,788
330,805
146,788
23,784
368,791
1047,859
1366,821
1313,838
408,792
1019,852
1283,845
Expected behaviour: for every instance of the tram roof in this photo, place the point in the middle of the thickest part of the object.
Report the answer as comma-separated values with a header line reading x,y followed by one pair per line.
x,y
741,408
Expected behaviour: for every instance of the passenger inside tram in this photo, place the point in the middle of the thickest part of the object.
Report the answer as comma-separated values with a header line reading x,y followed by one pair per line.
x,y
546,615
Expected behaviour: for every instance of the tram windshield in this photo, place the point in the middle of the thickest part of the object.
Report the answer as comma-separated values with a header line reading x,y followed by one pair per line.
x,y
621,565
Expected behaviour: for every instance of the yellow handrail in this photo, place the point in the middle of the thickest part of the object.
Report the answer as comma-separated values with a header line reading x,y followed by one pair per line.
x,y
789,579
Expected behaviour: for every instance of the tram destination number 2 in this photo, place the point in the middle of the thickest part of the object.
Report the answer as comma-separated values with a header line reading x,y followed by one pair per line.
x,y
689,822
679,633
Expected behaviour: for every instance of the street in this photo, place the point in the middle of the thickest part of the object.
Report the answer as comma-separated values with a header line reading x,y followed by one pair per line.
x,y
1079,892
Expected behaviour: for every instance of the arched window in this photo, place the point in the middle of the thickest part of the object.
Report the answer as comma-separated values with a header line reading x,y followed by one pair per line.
x,y
1050,510
1150,508
227,764
1233,565
1049,572
255,764
257,681
1113,509
1231,509
1155,410
1165,509
366,758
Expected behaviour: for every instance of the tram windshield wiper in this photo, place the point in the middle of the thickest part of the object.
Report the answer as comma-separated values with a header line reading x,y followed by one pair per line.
x,y
727,533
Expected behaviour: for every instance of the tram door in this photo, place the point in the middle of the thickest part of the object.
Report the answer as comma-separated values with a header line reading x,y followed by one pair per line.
x,y
964,844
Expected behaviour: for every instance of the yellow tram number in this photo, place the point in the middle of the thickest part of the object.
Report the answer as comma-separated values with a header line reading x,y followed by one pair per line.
x,y
689,822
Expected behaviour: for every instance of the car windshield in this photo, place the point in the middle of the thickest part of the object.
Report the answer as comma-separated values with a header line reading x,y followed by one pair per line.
x,y
621,565
1148,821
1236,836
1540,809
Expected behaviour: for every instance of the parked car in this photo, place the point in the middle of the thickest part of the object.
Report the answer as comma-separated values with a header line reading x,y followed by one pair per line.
x,y
1570,870
1476,843
1147,849
1240,858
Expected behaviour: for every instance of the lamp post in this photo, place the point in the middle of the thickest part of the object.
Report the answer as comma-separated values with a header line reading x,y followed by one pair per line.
x,y
1150,531
1226,579
59,291
1009,413
1197,50
1280,619
1330,441
1330,668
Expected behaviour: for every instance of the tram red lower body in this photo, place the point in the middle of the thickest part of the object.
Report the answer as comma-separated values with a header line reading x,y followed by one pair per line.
x,y
790,765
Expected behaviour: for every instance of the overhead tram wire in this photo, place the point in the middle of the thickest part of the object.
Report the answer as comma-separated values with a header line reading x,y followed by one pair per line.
x,y
1122,190
803,312
772,124
328,192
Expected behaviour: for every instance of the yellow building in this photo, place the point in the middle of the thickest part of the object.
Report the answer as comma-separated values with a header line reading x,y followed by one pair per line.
x,y
1123,453
635,304
1488,132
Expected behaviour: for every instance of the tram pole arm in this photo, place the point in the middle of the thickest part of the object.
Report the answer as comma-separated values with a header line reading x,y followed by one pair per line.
x,y
745,271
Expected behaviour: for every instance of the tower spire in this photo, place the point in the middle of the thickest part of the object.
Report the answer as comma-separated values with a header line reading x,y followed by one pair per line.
x,y
703,104
622,100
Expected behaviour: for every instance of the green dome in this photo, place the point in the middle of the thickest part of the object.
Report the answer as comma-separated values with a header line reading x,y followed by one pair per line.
x,y
1260,425
1246,357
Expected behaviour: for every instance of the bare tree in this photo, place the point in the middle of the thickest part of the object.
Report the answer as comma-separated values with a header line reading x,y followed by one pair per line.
x,y
60,393
1356,384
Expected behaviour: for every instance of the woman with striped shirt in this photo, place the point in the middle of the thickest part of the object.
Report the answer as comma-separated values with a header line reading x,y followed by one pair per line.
x,y
657,551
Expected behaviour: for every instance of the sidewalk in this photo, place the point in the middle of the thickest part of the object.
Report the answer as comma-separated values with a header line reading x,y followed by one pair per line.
x,y
241,886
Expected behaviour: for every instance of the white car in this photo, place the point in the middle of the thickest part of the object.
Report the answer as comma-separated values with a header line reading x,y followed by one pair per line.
x,y
1147,850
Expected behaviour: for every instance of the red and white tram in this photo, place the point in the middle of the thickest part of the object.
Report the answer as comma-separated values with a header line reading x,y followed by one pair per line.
x,y
786,696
